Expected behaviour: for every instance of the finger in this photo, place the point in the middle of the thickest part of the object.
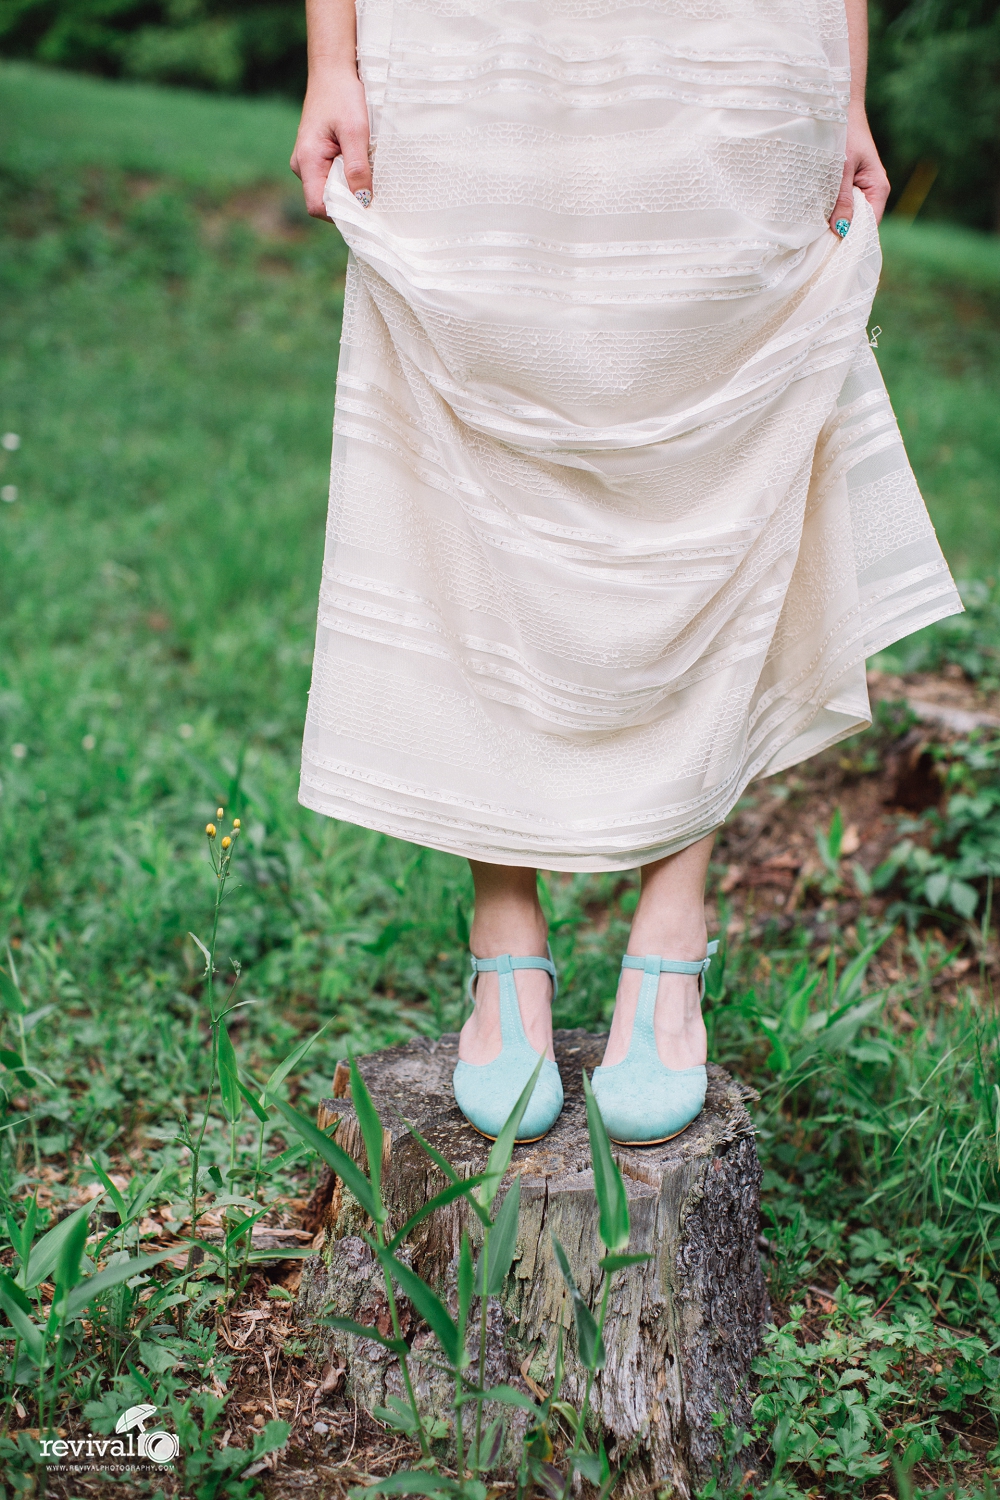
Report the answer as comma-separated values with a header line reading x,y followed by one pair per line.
x,y
875,185
358,172
313,168
843,209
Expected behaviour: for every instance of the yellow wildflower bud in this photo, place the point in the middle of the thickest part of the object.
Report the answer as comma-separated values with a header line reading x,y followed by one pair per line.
x,y
220,812
226,842
237,823
210,830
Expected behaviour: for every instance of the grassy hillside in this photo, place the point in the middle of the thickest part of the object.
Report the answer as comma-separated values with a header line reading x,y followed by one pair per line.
x,y
171,320
939,310
53,121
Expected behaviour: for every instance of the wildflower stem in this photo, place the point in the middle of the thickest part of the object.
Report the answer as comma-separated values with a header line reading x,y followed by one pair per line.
x,y
483,1329
41,1387
226,1217
581,1421
459,1434
404,1364
57,1363
221,871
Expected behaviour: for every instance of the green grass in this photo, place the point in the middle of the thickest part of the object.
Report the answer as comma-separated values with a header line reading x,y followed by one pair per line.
x,y
939,310
62,122
170,373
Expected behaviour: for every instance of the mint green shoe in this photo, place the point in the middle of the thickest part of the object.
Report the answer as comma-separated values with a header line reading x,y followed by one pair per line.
x,y
487,1092
642,1101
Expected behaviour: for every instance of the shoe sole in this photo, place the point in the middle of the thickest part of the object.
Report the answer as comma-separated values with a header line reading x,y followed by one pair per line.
x,y
660,1140
528,1140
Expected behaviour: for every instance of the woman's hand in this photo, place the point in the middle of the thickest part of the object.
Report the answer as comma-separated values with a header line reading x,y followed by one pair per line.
x,y
862,169
334,123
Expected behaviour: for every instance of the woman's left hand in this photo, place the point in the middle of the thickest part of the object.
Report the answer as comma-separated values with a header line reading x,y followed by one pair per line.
x,y
862,169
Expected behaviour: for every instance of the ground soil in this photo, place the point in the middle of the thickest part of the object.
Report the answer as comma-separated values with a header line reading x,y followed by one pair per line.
x,y
769,847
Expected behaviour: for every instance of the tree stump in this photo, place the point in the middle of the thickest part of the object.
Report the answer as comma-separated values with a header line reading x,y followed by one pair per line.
x,y
681,1330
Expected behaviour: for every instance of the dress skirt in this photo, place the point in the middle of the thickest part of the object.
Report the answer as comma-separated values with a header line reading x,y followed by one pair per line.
x,y
619,506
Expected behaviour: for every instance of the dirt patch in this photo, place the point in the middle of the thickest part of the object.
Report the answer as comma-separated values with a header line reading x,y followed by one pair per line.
x,y
768,849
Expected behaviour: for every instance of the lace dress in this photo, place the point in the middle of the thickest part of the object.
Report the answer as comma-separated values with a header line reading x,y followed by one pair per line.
x,y
619,506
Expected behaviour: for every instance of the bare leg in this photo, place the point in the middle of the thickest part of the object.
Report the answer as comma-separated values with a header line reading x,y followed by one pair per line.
x,y
508,919
670,921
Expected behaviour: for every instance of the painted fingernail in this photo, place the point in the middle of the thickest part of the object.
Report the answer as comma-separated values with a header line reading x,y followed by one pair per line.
x,y
841,225
364,197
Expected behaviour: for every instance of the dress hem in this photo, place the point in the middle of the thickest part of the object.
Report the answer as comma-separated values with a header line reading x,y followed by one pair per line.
x,y
784,757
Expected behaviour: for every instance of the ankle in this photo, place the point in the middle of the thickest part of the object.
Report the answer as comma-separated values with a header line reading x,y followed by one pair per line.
x,y
670,935
514,927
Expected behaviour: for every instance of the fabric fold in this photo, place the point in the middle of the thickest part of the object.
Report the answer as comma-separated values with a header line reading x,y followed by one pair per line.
x,y
618,503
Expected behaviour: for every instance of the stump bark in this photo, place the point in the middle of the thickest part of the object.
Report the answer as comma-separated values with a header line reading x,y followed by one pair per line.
x,y
681,1330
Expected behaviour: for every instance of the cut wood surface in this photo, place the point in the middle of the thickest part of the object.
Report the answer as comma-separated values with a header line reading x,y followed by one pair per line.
x,y
682,1329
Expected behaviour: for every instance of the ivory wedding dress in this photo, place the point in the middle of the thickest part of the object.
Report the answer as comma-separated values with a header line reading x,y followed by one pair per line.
x,y
619,505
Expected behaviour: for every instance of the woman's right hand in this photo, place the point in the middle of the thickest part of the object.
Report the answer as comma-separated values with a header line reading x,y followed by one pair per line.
x,y
334,123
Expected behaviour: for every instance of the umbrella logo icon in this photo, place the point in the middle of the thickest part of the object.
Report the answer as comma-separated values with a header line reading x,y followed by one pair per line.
x,y
162,1447
135,1416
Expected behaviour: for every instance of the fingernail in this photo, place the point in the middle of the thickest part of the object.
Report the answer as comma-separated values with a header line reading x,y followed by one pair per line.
x,y
841,225
364,197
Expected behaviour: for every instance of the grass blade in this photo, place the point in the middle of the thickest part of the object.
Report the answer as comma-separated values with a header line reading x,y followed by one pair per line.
x,y
466,1279
612,1201
81,1296
242,1226
426,1303
337,1158
589,1344
419,1482
10,992
18,1309
361,1331
22,1235
503,1146
612,1263
447,1195
283,1069
44,1257
505,1394
253,1102
67,1272
229,1076
445,1166
503,1242
110,1189
439,1161
371,1128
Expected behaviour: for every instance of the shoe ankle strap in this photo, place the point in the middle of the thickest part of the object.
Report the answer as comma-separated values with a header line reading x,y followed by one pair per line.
x,y
505,963
652,964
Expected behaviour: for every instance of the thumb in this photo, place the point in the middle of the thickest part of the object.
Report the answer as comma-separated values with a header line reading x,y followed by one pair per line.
x,y
354,150
843,209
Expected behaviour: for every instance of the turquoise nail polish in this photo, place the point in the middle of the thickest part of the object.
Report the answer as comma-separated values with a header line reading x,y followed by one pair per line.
x,y
842,226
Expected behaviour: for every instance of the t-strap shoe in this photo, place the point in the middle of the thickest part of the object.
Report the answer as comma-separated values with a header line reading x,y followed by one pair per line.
x,y
642,1101
487,1092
